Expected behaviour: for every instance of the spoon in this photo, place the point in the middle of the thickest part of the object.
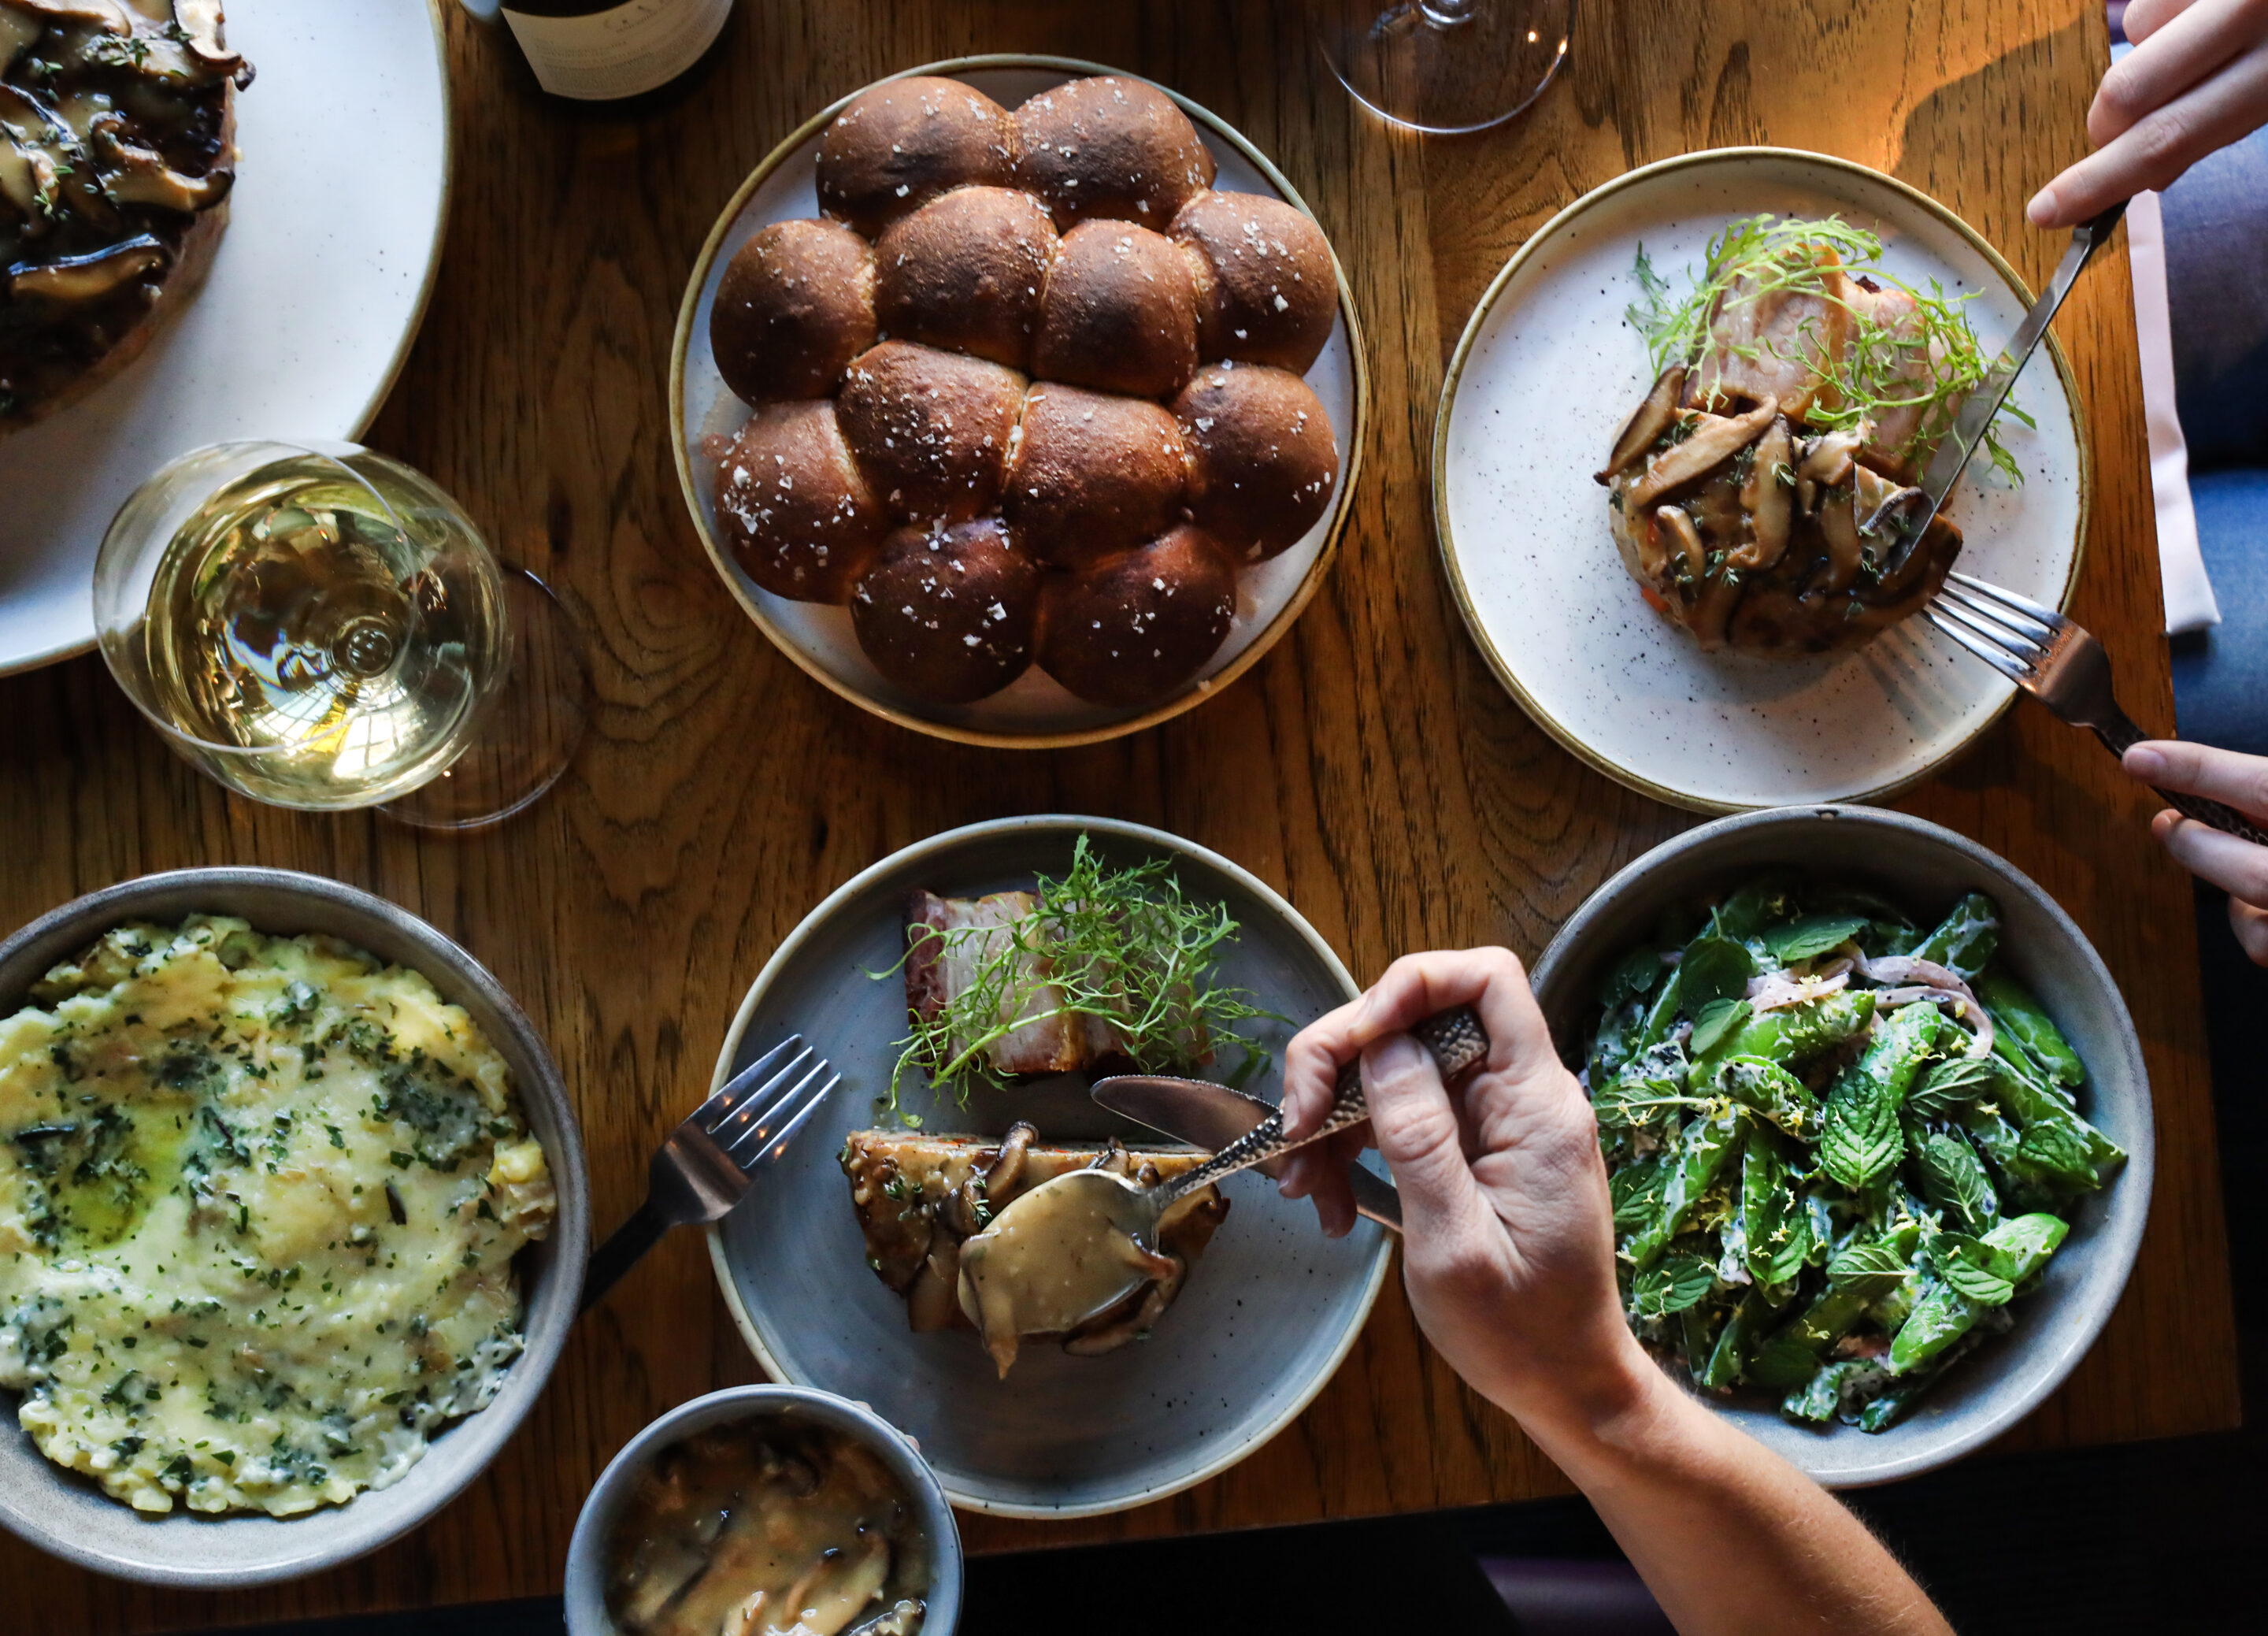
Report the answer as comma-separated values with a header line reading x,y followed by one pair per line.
x,y
1078,1244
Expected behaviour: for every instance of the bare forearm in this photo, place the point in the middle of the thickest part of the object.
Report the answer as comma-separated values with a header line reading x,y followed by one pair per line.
x,y
1729,1537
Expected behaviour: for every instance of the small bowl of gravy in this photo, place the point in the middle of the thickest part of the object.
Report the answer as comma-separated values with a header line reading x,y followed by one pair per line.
x,y
766,1510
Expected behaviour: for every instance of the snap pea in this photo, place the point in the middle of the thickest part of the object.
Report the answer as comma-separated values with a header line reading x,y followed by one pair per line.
x,y
1830,1386
1704,1147
1944,1315
1787,1358
1772,1093
1749,1318
2014,1012
1794,1034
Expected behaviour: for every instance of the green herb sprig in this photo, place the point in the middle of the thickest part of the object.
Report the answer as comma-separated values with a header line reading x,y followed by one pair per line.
x,y
1124,946
1930,364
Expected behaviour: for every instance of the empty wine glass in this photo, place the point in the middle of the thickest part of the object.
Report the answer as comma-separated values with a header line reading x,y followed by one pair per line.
x,y
1443,66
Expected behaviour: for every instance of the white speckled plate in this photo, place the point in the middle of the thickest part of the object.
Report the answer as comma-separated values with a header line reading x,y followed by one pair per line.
x,y
1546,373
1034,712
312,303
1269,1312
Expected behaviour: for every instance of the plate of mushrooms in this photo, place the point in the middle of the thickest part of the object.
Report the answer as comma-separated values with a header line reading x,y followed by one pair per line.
x,y
269,327
1676,433
829,1264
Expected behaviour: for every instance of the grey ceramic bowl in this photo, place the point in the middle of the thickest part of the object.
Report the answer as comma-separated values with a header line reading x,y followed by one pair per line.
x,y
586,1566
66,1514
1925,867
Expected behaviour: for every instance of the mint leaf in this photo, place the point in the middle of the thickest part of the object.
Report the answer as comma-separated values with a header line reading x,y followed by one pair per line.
x,y
1636,1189
1810,936
1869,1270
1859,1139
1718,1019
1647,1086
1952,1178
1973,1268
1671,1285
1712,968
1948,1085
1635,976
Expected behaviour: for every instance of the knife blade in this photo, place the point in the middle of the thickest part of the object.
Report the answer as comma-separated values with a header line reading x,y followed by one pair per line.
x,y
1212,1116
1985,398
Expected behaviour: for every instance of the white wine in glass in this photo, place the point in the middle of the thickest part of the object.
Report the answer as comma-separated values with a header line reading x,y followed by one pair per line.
x,y
1443,66
316,626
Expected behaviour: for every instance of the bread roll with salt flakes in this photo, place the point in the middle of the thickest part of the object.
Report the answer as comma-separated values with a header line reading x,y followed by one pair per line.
x,y
1261,461
947,613
1131,629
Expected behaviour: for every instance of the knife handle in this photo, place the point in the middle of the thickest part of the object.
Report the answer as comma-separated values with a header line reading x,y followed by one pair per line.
x,y
1454,1038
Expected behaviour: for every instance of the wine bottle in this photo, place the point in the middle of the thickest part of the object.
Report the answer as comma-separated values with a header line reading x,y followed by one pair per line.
x,y
604,50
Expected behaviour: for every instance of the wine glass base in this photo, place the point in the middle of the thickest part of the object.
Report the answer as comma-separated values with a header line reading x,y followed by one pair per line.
x,y
1443,67
531,729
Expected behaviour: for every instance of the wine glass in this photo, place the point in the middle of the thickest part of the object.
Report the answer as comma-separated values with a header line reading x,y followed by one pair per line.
x,y
318,626
1443,66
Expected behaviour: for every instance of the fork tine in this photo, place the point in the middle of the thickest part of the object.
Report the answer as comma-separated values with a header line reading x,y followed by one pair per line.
x,y
1985,587
779,1142
2017,646
2001,614
729,1096
754,1124
2002,662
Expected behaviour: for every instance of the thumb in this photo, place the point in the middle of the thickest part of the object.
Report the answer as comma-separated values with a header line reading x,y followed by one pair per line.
x,y
1415,1128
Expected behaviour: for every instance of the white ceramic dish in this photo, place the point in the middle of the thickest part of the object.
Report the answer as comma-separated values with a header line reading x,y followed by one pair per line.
x,y
310,307
1548,370
1924,867
1267,1315
67,1515
1034,712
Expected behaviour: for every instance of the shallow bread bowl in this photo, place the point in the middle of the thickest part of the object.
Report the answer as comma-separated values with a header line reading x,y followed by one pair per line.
x,y
587,1553
1924,867
71,1517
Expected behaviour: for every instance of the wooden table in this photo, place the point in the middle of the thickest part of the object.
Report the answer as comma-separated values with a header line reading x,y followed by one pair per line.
x,y
1369,768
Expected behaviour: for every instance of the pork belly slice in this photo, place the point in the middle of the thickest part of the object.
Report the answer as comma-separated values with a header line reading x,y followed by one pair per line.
x,y
915,1194
1789,332
949,941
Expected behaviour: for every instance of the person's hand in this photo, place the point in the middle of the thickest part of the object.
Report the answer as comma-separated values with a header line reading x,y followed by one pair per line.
x,y
1508,1248
2238,867
2196,80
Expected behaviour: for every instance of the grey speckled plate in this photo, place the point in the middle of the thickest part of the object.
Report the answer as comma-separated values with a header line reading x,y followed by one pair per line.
x,y
1267,1315
1924,867
68,1515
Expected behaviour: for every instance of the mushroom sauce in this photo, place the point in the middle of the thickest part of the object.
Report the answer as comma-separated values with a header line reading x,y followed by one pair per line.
x,y
115,138
775,1530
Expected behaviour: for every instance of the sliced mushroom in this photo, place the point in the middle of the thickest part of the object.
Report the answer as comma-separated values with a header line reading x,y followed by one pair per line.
x,y
1685,540
1769,502
137,175
1110,1330
934,1299
1716,439
108,15
1844,549
18,30
902,1618
200,21
1827,458
83,278
836,1589
1712,611
1004,1178
1644,429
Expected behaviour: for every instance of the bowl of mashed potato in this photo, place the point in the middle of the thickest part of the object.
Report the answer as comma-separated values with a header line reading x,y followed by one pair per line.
x,y
292,1224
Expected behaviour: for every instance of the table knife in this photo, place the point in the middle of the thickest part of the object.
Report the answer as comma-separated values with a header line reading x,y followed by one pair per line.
x,y
1212,1116
1910,516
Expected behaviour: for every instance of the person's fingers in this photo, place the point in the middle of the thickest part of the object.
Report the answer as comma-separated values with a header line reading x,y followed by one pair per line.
x,y
1311,1067
1417,1132
2238,781
2250,924
2178,54
2160,146
2146,17
2238,867
1319,1171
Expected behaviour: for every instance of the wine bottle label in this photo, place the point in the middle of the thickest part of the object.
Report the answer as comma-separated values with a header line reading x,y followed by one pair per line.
x,y
620,52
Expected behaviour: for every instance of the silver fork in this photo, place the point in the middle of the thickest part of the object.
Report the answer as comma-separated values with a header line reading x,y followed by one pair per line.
x,y
704,1167
2064,667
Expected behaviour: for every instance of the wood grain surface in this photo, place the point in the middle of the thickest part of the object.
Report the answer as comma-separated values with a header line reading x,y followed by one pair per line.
x,y
1370,768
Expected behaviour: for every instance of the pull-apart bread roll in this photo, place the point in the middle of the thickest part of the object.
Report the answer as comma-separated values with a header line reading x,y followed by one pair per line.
x,y
1120,314
947,613
797,511
901,145
930,429
1267,291
1092,474
1131,628
1110,147
796,305
966,271
1261,461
